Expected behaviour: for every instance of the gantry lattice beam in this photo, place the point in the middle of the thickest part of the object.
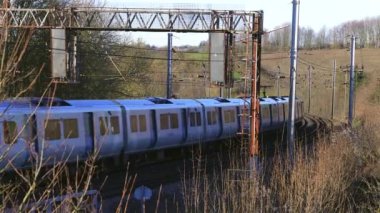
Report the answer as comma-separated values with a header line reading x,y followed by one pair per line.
x,y
175,20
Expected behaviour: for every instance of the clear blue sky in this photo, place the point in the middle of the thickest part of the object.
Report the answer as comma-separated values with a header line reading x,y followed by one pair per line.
x,y
313,13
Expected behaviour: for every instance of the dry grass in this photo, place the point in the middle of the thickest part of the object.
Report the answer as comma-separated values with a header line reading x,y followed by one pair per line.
x,y
335,177
322,61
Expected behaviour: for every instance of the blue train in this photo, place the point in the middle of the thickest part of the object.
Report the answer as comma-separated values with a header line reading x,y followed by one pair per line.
x,y
58,130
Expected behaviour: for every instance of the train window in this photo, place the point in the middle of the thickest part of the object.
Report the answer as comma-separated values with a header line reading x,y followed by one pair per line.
x,y
195,118
103,121
211,117
70,128
229,116
232,115
275,112
52,129
245,111
133,119
199,119
174,121
10,131
226,116
286,109
115,128
142,121
164,121
209,122
26,128
265,113
192,119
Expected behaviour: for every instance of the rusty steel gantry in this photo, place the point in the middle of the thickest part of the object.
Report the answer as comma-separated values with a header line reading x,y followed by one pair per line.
x,y
229,22
126,19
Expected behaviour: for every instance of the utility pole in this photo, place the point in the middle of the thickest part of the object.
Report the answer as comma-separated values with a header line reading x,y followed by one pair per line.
x,y
309,92
293,70
352,83
345,72
169,90
278,81
333,90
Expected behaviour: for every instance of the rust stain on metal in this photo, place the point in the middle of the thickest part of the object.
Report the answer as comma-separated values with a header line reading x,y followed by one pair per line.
x,y
254,143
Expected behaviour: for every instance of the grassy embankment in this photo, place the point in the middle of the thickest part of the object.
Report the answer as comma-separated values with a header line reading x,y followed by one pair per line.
x,y
342,173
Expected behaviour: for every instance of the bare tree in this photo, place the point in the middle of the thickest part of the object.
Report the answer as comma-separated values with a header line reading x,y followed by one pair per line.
x,y
322,39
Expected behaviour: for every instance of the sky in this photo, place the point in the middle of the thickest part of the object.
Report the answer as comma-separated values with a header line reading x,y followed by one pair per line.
x,y
313,13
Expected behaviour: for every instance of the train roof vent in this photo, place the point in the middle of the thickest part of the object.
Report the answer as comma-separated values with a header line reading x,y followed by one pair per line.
x,y
159,100
273,97
222,100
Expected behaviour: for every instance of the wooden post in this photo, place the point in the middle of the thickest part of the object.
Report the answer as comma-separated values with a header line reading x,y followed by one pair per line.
x,y
333,91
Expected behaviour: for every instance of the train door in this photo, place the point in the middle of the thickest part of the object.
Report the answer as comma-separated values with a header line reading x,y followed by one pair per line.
x,y
184,127
170,130
15,140
265,121
194,125
229,121
214,124
281,116
275,115
140,130
89,132
108,133
286,112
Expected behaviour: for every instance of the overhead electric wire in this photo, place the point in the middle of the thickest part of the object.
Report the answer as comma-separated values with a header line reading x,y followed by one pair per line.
x,y
313,64
162,83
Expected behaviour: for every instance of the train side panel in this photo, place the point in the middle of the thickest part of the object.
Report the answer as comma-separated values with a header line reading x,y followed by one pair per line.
x,y
16,141
140,130
195,125
230,121
61,136
265,116
170,129
213,123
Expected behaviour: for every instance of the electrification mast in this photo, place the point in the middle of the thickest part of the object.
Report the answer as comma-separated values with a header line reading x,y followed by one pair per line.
x,y
352,83
293,70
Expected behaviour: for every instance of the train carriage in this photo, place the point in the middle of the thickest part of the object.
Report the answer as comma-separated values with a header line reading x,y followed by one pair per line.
x,y
71,130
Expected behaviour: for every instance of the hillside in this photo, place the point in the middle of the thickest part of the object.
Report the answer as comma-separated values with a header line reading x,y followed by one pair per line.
x,y
367,103
321,90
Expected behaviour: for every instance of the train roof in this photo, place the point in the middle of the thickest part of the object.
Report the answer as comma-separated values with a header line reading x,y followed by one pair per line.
x,y
145,103
30,102
270,100
159,104
91,103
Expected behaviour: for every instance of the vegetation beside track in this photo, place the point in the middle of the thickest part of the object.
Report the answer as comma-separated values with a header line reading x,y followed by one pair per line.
x,y
335,176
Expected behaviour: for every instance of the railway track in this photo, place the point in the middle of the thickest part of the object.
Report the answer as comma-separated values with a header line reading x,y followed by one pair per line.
x,y
313,127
